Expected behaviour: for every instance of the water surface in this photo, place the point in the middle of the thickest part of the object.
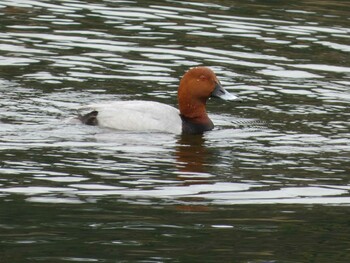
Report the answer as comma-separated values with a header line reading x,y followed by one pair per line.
x,y
269,184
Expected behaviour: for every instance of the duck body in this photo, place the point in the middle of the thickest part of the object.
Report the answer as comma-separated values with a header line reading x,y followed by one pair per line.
x,y
196,86
135,115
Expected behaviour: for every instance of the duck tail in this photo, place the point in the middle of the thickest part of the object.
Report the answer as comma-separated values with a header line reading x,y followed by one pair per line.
x,y
89,118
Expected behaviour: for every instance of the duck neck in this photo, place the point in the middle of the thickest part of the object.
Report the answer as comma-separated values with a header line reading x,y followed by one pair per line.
x,y
194,110
194,116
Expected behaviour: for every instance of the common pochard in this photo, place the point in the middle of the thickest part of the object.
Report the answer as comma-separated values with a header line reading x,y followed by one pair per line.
x,y
196,86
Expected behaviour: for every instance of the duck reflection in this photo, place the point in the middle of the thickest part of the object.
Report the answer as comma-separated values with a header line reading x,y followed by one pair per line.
x,y
192,158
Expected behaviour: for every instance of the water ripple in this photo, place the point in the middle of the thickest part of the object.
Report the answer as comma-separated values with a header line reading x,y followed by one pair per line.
x,y
280,145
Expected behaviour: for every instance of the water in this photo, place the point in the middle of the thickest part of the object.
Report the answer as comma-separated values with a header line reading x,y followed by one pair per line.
x,y
269,184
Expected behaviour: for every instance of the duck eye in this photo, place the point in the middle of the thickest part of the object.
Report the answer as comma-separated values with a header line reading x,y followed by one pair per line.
x,y
203,77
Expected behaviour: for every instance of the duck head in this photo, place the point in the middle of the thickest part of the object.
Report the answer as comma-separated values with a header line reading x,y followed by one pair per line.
x,y
196,87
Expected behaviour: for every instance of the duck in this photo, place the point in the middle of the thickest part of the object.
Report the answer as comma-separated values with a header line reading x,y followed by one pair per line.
x,y
196,86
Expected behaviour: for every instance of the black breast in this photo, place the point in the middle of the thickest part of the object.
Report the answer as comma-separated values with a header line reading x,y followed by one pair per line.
x,y
191,127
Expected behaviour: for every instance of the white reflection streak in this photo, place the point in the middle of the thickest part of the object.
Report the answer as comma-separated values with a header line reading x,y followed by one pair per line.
x,y
219,193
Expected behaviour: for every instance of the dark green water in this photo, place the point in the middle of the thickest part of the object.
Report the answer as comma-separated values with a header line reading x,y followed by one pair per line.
x,y
269,184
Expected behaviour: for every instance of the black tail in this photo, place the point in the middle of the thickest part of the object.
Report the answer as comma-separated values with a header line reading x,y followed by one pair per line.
x,y
89,118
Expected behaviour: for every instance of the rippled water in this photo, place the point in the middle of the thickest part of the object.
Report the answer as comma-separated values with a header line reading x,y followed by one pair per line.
x,y
269,184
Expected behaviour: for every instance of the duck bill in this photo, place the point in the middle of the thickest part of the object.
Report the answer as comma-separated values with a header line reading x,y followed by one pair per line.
x,y
220,92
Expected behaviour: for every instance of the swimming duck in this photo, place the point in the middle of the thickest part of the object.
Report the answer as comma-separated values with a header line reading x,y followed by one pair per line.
x,y
196,87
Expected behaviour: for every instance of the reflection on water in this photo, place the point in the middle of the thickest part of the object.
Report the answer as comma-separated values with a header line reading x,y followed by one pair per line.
x,y
192,155
269,184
